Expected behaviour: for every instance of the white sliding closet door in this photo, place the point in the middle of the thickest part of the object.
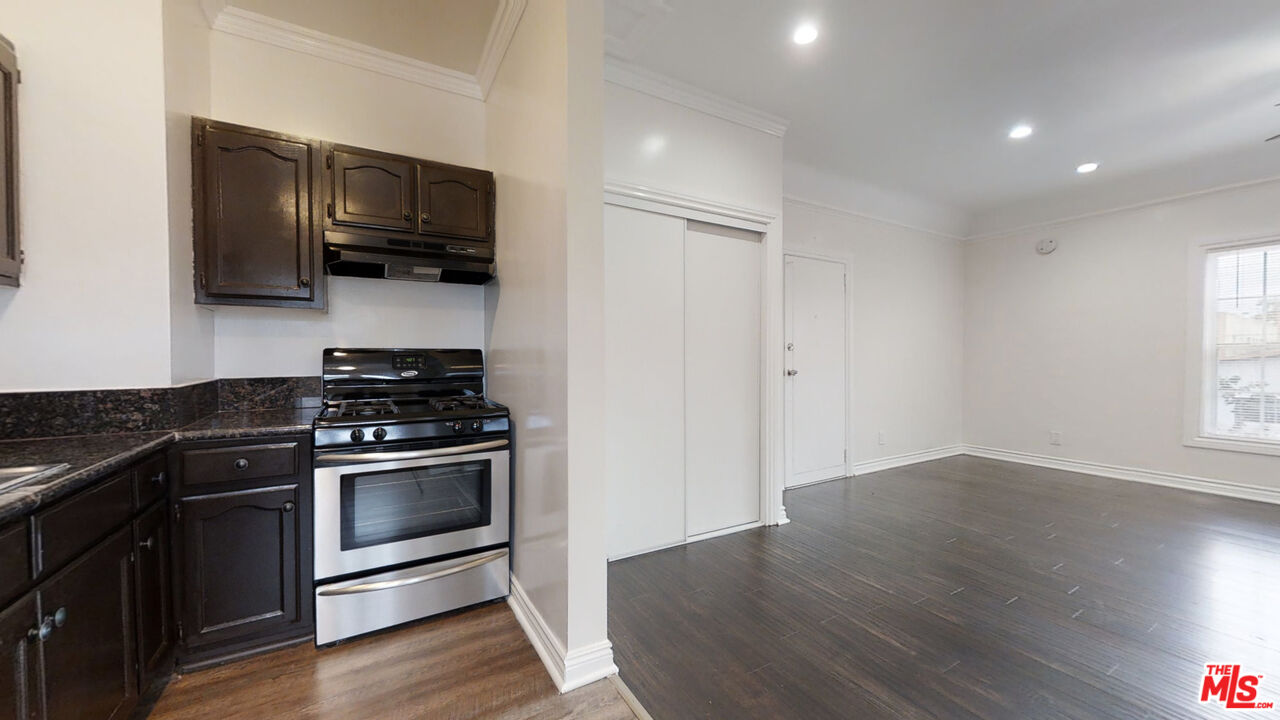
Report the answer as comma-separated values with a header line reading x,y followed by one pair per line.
x,y
644,379
722,355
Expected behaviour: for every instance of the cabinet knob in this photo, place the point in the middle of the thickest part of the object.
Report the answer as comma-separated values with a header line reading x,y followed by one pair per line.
x,y
792,373
158,478
60,617
241,464
41,631
305,282
426,218
288,506
408,216
149,544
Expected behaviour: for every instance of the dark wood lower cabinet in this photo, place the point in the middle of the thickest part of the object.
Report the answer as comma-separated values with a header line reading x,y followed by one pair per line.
x,y
155,594
89,653
19,691
243,568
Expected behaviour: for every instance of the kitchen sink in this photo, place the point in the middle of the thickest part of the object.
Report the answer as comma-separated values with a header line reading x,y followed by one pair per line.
x,y
15,477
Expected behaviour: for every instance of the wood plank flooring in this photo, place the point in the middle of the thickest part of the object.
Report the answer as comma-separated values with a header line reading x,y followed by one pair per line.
x,y
960,588
474,664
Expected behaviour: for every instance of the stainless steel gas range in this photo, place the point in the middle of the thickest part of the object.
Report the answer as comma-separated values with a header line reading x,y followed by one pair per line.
x,y
412,489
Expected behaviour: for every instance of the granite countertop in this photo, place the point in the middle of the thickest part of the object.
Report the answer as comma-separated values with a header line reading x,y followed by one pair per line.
x,y
92,457
249,424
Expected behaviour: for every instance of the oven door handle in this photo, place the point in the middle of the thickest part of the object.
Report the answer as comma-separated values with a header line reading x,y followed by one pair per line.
x,y
373,457
401,582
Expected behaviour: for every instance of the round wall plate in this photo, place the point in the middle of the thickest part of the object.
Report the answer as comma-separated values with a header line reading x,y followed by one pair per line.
x,y
1046,246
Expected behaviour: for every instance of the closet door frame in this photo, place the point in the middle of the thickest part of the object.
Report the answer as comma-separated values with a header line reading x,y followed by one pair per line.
x,y
773,512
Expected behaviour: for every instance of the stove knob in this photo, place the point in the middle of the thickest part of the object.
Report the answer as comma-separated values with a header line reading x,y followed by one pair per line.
x,y
357,435
476,425
380,434
456,425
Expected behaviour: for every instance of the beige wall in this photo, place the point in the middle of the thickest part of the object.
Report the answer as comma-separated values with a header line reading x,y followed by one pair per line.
x,y
93,311
1091,341
545,327
186,93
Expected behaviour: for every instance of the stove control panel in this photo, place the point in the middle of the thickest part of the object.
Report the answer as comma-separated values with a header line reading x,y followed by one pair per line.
x,y
371,433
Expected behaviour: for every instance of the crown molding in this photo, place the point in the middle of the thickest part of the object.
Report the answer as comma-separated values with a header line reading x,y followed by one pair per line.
x,y
625,74
501,31
845,212
251,25
686,206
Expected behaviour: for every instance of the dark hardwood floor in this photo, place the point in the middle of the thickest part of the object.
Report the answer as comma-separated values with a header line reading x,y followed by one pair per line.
x,y
958,588
473,664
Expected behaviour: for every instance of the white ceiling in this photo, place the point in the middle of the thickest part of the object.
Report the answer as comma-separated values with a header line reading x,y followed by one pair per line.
x,y
917,96
448,33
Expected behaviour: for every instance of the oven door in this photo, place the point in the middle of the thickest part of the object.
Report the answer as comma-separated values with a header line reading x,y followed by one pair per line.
x,y
378,509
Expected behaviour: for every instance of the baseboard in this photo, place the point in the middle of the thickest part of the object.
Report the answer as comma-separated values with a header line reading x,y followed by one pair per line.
x,y
912,458
1151,477
568,670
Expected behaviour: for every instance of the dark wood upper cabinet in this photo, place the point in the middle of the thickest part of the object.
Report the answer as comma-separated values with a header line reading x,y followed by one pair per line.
x,y
455,201
10,249
258,235
371,189
89,650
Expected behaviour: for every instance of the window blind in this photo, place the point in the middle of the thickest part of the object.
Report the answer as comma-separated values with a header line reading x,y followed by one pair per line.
x,y
1242,319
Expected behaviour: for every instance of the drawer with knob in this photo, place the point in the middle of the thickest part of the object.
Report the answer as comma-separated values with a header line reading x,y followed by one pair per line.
x,y
150,481
204,466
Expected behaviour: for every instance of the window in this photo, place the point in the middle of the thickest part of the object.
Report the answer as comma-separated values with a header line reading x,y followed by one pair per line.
x,y
1241,375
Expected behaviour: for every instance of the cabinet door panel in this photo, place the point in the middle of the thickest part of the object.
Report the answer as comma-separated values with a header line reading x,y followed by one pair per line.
x,y
89,659
256,237
19,684
154,593
372,190
10,252
241,564
454,201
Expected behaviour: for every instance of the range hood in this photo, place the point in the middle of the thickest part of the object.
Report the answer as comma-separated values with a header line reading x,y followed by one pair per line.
x,y
420,259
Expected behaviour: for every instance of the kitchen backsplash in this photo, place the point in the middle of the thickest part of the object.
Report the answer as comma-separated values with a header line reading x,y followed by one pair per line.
x,y
26,415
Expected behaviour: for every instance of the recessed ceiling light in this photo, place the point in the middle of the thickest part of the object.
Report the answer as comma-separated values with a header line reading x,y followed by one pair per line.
x,y
1087,168
805,34
1021,132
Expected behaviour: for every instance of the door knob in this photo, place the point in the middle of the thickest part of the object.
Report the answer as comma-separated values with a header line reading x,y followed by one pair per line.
x,y
792,373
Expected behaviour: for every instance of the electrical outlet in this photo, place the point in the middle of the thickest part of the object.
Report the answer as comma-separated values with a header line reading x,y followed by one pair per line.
x,y
1055,437
880,437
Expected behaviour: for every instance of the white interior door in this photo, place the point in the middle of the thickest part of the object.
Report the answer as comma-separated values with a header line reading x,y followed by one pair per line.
x,y
722,377
816,361
644,379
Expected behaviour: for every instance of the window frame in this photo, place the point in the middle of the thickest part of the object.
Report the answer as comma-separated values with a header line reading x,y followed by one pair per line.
x,y
1200,353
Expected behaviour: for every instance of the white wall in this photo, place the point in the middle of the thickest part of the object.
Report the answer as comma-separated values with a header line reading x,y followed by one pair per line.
x,y
186,93
658,144
93,309
906,300
1092,340
545,327
269,87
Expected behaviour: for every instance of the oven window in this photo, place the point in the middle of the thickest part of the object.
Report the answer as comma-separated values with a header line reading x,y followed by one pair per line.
x,y
395,505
